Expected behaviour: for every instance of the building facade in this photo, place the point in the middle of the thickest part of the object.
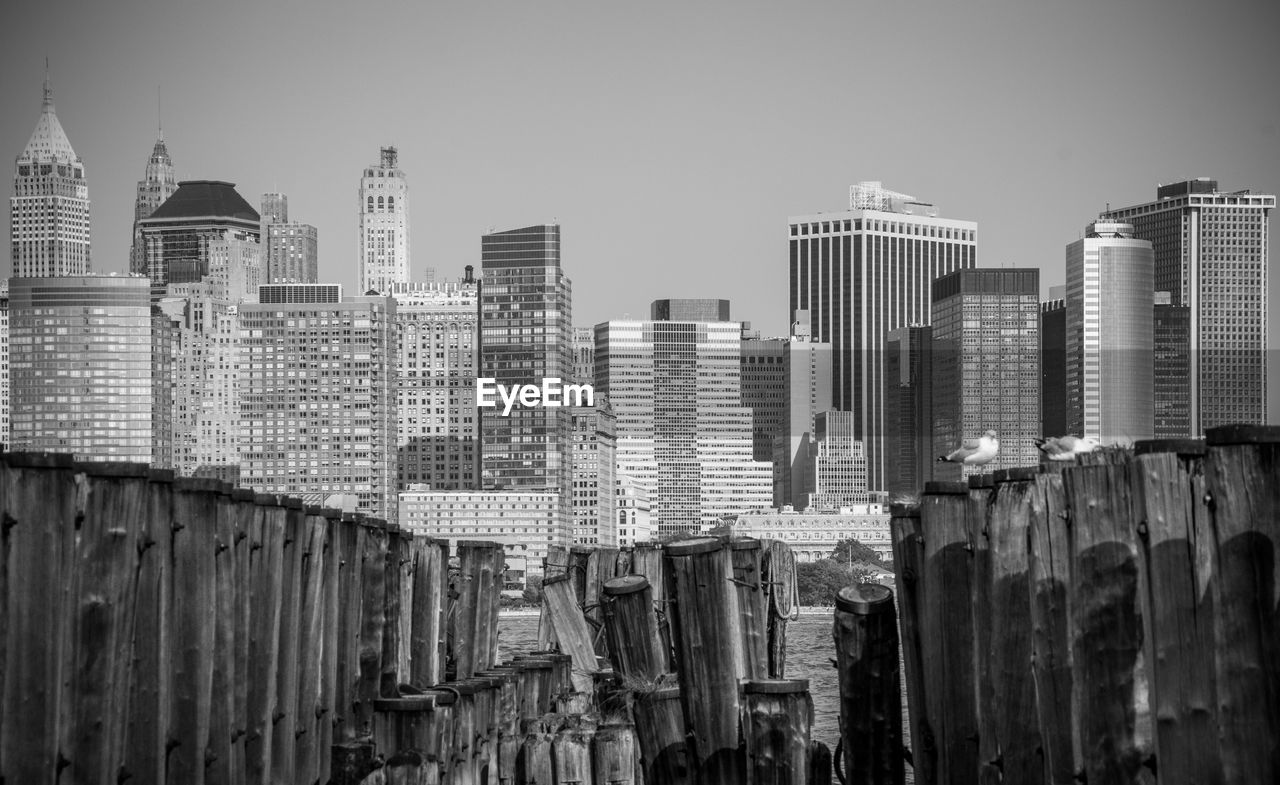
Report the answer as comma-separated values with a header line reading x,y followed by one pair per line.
x,y
290,248
318,401
157,185
864,272
1211,254
986,365
635,523
1053,364
908,400
89,369
437,358
384,225
4,363
838,477
1171,373
814,535
178,235
1110,335
594,468
684,434
526,523
49,209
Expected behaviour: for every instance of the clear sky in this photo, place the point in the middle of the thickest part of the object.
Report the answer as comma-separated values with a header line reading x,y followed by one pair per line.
x,y
671,140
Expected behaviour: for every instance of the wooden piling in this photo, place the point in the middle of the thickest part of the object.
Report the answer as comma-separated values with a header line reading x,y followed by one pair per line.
x,y
866,641
311,644
908,558
706,633
372,542
1010,741
480,590
602,563
647,560
613,753
1049,576
778,574
949,681
571,629
981,488
430,585
752,609
1244,497
398,604
535,766
1178,553
266,533
635,647
284,718
571,754
555,563
1108,673
777,716
224,757
349,543
660,733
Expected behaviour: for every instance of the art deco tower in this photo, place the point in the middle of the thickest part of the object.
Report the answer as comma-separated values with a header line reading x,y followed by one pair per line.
x,y
49,209
384,225
158,185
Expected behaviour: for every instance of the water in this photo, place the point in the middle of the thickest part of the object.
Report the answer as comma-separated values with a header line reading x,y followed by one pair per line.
x,y
810,650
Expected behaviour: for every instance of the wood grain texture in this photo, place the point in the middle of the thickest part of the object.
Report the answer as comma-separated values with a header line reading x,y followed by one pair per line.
x,y
752,609
908,561
660,733
866,642
777,716
1049,576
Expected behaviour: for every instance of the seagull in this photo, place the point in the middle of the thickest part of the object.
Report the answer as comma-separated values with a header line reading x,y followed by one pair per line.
x,y
1065,448
975,452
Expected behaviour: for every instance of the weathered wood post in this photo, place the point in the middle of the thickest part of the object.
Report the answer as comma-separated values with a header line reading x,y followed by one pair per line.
x,y
981,488
430,585
555,563
908,559
326,713
285,715
951,704
660,732
394,660
602,563
480,591
571,753
613,755
265,576
570,628
1109,677
507,720
777,715
866,639
752,607
706,631
1049,576
313,540
1244,497
1178,553
1011,743
647,560
535,766
635,647
535,686
778,572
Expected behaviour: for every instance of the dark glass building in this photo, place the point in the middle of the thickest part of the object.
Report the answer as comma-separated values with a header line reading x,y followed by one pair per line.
x,y
908,398
176,237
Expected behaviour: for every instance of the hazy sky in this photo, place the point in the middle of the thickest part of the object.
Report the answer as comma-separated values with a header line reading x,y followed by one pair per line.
x,y
671,140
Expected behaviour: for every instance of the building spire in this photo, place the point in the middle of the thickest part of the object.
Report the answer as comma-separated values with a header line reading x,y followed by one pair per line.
x,y
48,86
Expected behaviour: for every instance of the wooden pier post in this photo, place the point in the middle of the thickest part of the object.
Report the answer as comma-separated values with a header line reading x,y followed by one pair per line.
x,y
706,631
908,559
571,754
866,640
571,629
430,585
752,607
613,755
1011,744
951,704
777,716
285,714
480,591
635,647
1108,673
778,572
536,766
660,732
555,563
981,488
1178,554
1049,576
647,560
1244,496
602,563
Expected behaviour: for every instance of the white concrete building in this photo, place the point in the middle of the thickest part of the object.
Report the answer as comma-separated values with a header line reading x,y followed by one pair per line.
x,y
814,535
384,225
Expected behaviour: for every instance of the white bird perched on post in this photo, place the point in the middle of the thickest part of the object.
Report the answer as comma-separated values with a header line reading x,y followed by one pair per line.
x,y
1065,448
975,452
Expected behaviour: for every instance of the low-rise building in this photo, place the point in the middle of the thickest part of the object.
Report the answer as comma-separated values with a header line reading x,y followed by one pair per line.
x,y
814,535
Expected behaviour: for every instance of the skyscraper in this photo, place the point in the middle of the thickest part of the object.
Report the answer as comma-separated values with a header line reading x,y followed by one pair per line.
x,y
864,272
384,225
986,364
178,235
1171,376
1110,340
909,456
1053,363
683,431
437,358
4,362
594,485
839,476
49,209
289,247
90,369
157,185
318,401
1210,252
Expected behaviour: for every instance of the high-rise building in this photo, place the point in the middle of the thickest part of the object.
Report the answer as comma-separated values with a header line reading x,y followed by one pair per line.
x,y
437,357
49,209
584,355
908,402
318,401
4,362
89,369
178,235
1053,363
300,293
1210,250
384,225
1110,340
689,310
864,272
289,247
986,365
634,521
786,382
156,186
839,474
526,336
594,484
1171,374
683,431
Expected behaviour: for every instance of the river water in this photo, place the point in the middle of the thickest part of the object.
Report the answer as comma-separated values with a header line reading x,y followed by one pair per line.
x,y
810,651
